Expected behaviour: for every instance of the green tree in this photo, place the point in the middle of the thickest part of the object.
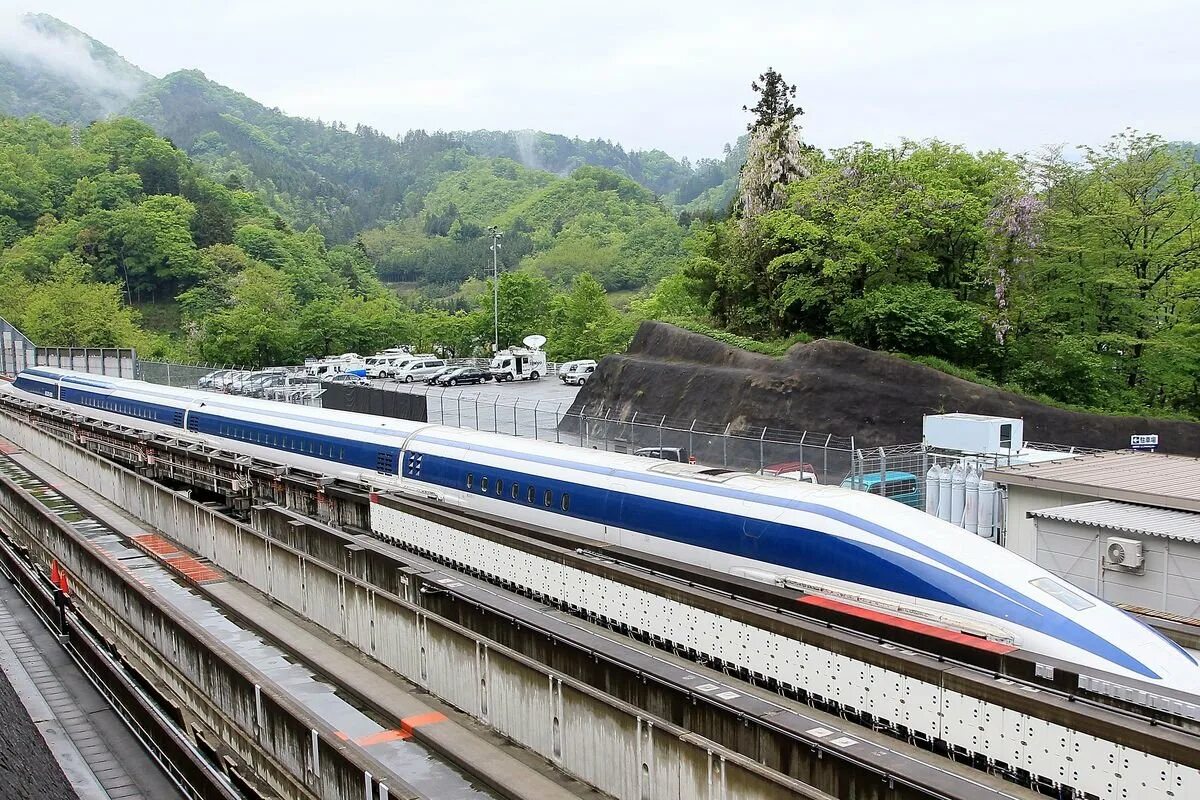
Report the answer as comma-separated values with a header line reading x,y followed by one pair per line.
x,y
260,327
584,325
774,104
524,308
70,311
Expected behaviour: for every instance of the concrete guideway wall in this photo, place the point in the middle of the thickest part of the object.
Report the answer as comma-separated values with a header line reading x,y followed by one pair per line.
x,y
1105,768
606,743
275,739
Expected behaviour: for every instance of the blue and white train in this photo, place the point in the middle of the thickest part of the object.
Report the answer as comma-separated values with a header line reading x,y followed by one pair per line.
x,y
852,547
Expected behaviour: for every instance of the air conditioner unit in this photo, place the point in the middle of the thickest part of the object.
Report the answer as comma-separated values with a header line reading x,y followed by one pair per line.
x,y
1124,554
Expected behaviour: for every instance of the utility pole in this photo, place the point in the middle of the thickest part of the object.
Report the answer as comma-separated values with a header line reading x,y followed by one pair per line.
x,y
495,234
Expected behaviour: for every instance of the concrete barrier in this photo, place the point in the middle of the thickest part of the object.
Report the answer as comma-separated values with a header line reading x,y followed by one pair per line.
x,y
607,743
268,735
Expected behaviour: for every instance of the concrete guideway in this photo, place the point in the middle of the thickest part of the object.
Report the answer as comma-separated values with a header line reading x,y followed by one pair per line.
x,y
282,563
592,735
414,719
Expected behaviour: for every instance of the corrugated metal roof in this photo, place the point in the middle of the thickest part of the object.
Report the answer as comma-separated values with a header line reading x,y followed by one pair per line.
x,y
1152,479
1128,518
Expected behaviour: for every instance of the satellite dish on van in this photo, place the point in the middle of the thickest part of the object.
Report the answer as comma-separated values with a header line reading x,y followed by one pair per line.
x,y
534,341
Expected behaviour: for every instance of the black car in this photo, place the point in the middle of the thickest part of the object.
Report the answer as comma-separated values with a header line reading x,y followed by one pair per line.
x,y
432,379
464,375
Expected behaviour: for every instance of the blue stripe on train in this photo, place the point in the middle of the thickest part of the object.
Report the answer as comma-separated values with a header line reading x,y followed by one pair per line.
x,y
773,543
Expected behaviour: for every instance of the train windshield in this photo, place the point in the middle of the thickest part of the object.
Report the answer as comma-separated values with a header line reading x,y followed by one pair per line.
x,y
1062,594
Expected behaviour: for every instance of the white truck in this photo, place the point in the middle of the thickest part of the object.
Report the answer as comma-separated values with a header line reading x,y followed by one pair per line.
x,y
526,363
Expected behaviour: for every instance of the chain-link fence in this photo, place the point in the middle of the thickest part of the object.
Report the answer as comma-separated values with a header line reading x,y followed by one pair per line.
x,y
167,373
824,457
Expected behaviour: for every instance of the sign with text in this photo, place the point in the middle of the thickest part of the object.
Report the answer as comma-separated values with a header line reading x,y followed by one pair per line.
x,y
1143,441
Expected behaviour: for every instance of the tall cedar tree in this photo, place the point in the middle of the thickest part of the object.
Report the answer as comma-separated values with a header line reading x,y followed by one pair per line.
x,y
774,102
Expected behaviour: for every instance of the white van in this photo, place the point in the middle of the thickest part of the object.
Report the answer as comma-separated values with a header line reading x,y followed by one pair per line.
x,y
576,372
416,369
397,364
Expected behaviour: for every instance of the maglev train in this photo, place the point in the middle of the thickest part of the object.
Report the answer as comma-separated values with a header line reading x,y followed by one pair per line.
x,y
857,548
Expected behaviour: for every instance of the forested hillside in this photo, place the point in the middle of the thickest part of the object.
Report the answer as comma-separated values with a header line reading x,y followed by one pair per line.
x,y
96,224
706,185
248,235
593,221
1073,278
313,172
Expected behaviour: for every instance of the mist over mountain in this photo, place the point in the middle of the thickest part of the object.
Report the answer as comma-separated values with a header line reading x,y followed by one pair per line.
x,y
326,174
50,69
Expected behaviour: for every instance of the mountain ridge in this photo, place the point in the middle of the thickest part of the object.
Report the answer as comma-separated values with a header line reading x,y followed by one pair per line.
x,y
328,174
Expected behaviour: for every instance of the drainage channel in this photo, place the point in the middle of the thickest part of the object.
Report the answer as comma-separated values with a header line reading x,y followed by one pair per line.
x,y
422,769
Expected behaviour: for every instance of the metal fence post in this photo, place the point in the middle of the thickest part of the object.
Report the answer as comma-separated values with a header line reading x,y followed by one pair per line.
x,y
882,472
661,422
515,431
557,421
725,445
762,459
824,477
691,446
536,430
496,414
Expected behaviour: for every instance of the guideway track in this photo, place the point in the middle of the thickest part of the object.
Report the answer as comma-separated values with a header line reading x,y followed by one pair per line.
x,y
1138,734
168,586
682,758
167,746
811,737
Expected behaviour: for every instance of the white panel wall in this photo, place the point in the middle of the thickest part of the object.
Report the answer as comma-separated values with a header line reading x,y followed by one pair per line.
x,y
1098,766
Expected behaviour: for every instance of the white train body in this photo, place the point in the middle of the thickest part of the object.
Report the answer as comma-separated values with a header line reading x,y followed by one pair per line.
x,y
851,546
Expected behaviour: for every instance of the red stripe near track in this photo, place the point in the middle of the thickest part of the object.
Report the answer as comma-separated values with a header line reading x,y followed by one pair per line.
x,y
907,624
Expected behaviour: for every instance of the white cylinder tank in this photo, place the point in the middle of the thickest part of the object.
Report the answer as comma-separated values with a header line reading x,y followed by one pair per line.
x,y
932,485
970,517
958,492
987,509
944,484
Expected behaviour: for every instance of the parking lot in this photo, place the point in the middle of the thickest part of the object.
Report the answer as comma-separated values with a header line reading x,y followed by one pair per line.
x,y
522,408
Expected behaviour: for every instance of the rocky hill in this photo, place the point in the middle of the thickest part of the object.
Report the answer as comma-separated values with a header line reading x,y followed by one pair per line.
x,y
830,387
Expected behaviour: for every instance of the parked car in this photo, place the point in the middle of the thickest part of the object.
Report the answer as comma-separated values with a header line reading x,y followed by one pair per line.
x,y
577,372
903,487
225,382
394,367
463,375
665,453
432,377
346,379
418,369
792,470
210,381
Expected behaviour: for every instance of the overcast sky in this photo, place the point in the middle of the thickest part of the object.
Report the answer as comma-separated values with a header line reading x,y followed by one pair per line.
x,y
1011,74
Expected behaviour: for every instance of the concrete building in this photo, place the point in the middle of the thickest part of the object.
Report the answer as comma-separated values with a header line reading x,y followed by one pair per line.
x,y
1124,525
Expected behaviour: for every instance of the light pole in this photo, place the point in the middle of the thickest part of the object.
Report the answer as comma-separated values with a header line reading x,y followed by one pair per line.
x,y
495,234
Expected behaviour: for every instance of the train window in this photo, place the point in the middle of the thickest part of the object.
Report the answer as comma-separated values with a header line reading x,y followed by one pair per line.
x,y
566,502
548,498
483,483
342,453
530,495
516,490
470,479
1061,593
499,487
